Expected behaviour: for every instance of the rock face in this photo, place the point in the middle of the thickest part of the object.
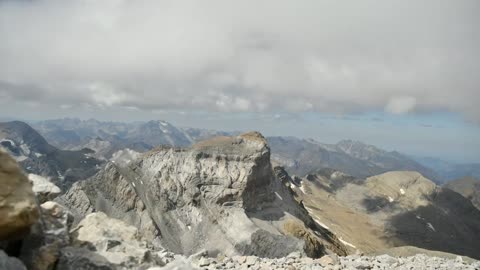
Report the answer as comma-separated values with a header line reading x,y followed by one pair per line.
x,y
392,209
221,195
18,210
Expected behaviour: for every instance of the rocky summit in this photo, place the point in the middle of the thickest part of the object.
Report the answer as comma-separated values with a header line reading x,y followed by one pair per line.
x,y
220,195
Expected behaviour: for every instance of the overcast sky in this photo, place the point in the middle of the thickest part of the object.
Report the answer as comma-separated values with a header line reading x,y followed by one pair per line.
x,y
149,59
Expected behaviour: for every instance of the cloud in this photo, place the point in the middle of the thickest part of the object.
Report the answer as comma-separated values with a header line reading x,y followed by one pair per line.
x,y
401,105
267,56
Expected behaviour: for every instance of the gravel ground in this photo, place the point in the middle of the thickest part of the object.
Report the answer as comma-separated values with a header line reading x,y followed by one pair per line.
x,y
295,262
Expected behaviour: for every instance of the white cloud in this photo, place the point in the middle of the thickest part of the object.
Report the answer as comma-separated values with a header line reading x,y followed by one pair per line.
x,y
271,55
401,105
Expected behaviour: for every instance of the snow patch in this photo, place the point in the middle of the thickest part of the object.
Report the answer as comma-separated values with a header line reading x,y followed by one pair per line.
x,y
302,188
37,154
278,196
430,226
390,199
320,223
25,149
402,191
133,184
163,123
316,219
346,243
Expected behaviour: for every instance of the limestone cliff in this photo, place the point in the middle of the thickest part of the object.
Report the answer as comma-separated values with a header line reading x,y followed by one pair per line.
x,y
221,195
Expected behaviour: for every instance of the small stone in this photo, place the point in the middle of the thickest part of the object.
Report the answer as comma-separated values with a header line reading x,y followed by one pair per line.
x,y
328,260
203,262
251,260
240,259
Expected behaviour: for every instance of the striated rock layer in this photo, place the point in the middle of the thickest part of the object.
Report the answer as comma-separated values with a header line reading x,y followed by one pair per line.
x,y
221,195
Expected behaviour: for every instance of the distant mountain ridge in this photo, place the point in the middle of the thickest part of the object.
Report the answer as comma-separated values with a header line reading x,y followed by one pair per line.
x,y
108,137
450,170
301,156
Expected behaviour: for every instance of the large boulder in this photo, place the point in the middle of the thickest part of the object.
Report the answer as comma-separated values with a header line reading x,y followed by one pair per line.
x,y
220,195
18,210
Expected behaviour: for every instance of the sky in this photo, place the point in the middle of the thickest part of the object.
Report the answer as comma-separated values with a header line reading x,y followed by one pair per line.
x,y
399,74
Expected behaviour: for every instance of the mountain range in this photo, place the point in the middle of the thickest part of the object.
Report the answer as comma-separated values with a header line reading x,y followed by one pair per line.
x,y
449,170
298,156
302,156
228,198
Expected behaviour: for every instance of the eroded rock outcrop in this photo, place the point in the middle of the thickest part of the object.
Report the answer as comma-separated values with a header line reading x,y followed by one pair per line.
x,y
221,195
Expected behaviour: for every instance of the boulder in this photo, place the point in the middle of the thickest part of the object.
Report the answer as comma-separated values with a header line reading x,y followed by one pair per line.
x,y
41,248
75,258
43,188
18,210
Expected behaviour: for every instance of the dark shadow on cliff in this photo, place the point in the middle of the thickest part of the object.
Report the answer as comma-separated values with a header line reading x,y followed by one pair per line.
x,y
375,204
450,224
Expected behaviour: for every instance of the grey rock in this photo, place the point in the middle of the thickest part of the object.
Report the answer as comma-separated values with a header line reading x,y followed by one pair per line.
x,y
120,244
219,195
41,248
43,188
75,258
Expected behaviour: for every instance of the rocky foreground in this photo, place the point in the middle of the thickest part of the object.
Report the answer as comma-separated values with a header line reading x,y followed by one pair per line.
x,y
295,262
